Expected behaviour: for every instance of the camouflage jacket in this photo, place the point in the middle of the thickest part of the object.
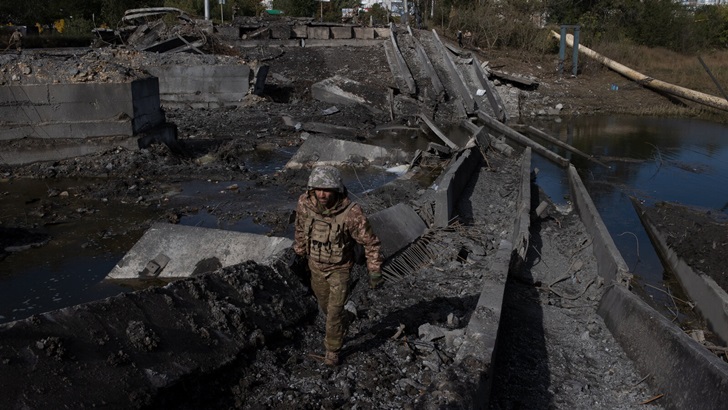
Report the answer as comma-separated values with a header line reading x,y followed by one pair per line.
x,y
356,230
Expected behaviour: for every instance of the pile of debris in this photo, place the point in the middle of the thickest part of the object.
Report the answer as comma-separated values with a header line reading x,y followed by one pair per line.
x,y
147,29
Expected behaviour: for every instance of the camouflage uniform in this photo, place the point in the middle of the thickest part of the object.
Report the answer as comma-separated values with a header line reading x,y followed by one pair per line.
x,y
318,231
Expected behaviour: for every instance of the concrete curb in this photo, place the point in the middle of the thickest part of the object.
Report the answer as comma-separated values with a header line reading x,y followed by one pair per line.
x,y
522,224
679,367
479,346
612,266
711,299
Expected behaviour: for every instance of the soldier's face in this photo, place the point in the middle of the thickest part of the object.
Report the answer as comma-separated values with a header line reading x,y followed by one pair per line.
x,y
325,197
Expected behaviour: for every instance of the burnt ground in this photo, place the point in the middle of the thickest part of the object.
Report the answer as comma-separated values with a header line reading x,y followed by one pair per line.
x,y
555,350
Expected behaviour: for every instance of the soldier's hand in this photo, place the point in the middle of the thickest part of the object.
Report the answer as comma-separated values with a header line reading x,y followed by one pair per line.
x,y
375,280
299,262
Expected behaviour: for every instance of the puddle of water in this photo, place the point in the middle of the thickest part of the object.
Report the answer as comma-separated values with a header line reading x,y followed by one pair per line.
x,y
70,269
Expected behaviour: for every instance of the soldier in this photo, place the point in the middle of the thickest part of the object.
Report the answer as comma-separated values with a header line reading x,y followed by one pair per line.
x,y
328,224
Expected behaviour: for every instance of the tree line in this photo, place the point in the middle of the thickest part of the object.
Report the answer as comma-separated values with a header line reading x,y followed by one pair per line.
x,y
488,23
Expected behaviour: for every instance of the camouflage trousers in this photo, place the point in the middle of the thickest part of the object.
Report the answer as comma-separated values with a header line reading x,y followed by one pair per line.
x,y
332,290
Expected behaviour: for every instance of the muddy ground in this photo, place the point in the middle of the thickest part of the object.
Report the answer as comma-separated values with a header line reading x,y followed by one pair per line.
x,y
555,350
699,236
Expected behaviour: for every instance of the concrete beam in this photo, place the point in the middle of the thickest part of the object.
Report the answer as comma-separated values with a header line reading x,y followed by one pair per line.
x,y
187,251
514,135
299,31
688,374
402,67
496,104
207,85
456,75
342,32
364,33
612,266
319,33
478,349
382,32
319,150
79,110
522,224
427,64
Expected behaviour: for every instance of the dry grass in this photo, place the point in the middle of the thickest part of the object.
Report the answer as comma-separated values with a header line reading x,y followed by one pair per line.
x,y
674,68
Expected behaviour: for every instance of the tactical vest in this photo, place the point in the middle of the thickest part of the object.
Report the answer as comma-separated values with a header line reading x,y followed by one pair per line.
x,y
326,237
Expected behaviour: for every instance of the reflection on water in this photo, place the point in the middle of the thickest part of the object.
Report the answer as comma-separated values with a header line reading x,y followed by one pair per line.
x,y
652,159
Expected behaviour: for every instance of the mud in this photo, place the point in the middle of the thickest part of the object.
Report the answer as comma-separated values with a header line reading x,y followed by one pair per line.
x,y
399,353
699,236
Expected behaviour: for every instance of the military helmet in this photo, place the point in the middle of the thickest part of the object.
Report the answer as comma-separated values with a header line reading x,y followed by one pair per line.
x,y
326,177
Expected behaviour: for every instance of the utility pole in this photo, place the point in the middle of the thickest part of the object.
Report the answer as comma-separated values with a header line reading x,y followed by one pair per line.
x,y
207,9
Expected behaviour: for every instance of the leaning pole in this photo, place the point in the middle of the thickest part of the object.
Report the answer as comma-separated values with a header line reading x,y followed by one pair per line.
x,y
649,82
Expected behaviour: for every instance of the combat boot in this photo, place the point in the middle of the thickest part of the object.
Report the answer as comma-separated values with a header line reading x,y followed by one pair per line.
x,y
331,359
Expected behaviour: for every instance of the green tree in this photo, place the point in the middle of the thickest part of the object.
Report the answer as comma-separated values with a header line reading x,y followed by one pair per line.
x,y
297,8
711,25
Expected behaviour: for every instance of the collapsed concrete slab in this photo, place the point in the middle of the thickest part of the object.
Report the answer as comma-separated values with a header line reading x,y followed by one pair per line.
x,y
318,150
176,251
126,351
344,91
448,188
79,110
397,227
